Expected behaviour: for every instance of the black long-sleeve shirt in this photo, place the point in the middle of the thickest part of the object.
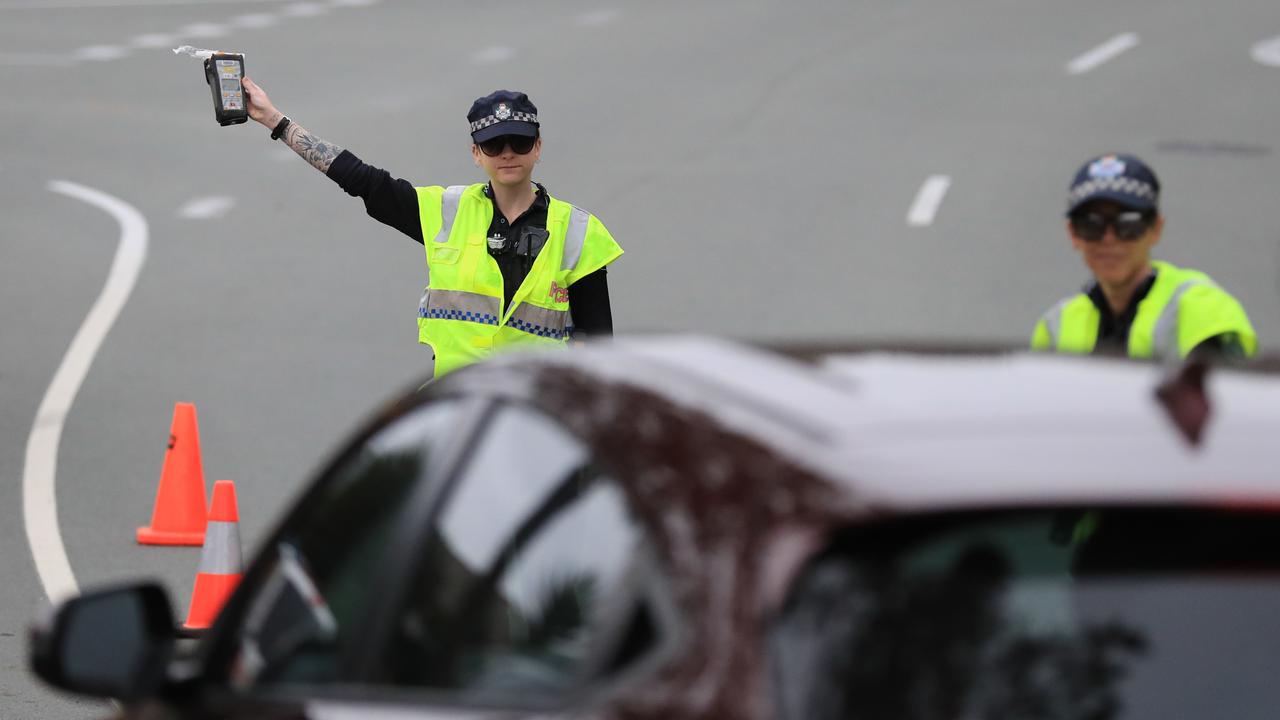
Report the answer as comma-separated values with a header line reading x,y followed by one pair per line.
x,y
394,202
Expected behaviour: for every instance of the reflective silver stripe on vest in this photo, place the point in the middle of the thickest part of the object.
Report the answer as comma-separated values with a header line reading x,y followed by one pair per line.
x,y
449,210
574,238
539,321
1053,320
1165,340
221,555
458,305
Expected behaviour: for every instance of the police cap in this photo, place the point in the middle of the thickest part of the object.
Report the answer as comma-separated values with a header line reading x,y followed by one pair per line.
x,y
1120,178
503,112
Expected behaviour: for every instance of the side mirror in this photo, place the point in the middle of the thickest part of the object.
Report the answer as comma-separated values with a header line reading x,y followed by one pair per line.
x,y
114,642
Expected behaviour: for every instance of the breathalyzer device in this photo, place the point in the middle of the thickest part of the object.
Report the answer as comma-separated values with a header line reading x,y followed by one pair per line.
x,y
223,72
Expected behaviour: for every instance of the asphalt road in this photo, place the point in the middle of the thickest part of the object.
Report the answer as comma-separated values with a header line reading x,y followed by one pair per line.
x,y
774,170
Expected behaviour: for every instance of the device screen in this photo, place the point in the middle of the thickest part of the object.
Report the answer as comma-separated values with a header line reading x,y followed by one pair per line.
x,y
232,92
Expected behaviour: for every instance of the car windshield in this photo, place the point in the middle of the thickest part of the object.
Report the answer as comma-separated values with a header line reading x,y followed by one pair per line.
x,y
307,605
1103,614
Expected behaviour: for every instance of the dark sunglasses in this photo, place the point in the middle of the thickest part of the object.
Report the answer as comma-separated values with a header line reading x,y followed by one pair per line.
x,y
520,144
1129,225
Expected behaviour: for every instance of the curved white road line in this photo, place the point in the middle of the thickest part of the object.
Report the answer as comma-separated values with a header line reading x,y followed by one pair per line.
x,y
39,495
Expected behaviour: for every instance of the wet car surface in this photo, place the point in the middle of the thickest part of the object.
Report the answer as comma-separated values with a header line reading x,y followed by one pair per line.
x,y
690,528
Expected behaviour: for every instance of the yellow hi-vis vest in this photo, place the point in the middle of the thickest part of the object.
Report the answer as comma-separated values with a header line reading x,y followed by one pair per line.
x,y
1183,309
461,315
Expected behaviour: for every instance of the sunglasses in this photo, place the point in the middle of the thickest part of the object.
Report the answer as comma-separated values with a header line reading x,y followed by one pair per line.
x,y
520,144
1128,226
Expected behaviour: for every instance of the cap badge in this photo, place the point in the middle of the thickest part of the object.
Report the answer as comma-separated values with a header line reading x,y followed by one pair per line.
x,y
1107,167
502,111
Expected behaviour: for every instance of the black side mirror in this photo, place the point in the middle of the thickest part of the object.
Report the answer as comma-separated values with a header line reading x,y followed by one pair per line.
x,y
115,642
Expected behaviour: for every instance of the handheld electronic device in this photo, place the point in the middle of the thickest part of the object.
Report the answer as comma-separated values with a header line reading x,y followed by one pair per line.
x,y
223,72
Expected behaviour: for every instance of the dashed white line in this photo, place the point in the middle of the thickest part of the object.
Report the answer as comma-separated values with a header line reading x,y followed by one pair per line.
x,y
1101,54
254,20
493,55
203,30
1267,52
206,208
197,30
305,9
596,18
36,59
39,495
100,4
100,52
153,41
928,200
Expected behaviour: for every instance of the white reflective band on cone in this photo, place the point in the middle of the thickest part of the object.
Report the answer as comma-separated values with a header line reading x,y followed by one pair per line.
x,y
221,555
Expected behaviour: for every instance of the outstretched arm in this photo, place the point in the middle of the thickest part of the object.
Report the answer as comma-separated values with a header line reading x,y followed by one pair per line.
x,y
311,148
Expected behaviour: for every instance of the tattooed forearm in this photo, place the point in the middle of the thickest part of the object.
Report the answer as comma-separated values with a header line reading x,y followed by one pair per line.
x,y
312,149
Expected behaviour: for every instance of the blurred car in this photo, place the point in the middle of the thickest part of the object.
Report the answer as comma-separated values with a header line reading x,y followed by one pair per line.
x,y
692,528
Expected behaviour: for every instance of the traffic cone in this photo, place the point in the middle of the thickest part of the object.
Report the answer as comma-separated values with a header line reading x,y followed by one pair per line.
x,y
180,510
220,561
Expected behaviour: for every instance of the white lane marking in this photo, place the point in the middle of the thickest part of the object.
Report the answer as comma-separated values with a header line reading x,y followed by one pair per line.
x,y
254,20
1101,54
153,41
596,18
36,59
96,4
100,52
1267,52
206,208
196,30
493,55
39,495
304,9
203,30
928,200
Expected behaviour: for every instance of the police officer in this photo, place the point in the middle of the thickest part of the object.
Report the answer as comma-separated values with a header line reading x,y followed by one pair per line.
x,y
507,264
1135,305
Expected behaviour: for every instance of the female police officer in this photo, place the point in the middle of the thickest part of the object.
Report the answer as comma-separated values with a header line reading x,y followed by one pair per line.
x,y
507,264
1135,305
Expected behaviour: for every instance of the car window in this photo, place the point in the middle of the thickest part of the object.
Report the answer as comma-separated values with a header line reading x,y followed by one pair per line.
x,y
1107,614
520,569
305,611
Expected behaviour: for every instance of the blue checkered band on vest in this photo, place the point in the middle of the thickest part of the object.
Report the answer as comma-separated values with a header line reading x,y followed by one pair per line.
x,y
465,315
539,330
485,122
1128,186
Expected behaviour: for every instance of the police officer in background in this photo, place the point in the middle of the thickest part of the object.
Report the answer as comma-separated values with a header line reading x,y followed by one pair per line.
x,y
507,264
1135,305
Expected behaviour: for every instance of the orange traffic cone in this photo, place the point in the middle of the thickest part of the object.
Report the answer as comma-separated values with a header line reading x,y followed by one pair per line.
x,y
180,509
220,562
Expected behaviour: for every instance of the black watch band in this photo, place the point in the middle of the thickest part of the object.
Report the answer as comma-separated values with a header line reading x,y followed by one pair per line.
x,y
280,127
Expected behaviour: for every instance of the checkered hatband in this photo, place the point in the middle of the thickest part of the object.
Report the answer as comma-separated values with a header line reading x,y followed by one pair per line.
x,y
1136,188
485,122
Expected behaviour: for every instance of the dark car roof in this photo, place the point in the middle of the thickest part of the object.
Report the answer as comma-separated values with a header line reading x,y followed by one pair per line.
x,y
920,431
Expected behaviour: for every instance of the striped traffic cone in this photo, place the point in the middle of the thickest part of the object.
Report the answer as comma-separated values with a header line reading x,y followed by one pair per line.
x,y
220,562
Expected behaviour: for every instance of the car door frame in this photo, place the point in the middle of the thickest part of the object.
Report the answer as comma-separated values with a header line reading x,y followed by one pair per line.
x,y
645,581
209,673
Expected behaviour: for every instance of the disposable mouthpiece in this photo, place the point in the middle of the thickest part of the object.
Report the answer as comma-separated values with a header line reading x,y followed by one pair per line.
x,y
198,53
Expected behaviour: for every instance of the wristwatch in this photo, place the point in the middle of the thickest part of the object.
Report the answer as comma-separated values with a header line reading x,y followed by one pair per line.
x,y
281,126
